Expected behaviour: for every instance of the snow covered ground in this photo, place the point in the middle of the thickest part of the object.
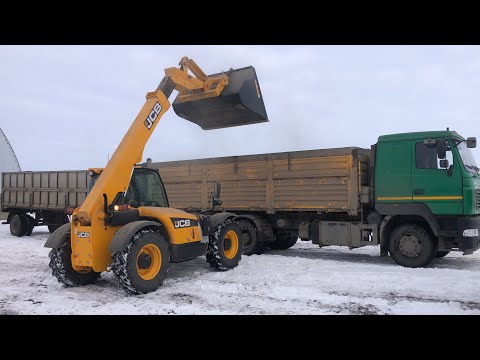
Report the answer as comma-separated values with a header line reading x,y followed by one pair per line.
x,y
302,280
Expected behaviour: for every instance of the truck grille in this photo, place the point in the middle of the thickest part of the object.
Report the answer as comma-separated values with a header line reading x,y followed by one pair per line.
x,y
477,194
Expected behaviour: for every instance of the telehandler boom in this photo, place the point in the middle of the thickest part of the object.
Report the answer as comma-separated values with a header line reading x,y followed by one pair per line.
x,y
130,229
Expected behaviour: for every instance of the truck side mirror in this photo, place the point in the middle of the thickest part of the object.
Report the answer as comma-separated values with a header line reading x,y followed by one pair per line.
x,y
472,142
444,164
441,149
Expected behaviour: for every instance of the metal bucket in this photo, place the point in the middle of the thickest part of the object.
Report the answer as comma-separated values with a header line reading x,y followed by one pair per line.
x,y
240,103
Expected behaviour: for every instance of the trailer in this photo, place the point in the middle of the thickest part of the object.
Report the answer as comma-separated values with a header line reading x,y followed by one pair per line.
x,y
34,198
414,194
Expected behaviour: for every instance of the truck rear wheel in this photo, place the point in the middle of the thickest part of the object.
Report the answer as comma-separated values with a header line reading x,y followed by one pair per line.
x,y
61,265
441,254
19,225
225,246
251,245
285,240
143,265
57,222
411,246
31,225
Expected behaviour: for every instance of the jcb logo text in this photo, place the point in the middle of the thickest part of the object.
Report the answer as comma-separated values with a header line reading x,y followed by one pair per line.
x,y
152,116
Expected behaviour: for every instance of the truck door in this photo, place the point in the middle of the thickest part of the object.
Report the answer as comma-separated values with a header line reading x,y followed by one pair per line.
x,y
439,188
393,172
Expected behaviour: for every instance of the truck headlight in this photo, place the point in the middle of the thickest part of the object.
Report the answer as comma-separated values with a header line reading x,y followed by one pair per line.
x,y
470,232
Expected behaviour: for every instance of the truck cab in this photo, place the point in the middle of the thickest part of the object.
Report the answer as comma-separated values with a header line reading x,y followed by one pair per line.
x,y
429,180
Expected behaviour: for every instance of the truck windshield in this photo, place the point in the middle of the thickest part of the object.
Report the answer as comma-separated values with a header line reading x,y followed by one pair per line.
x,y
467,157
146,189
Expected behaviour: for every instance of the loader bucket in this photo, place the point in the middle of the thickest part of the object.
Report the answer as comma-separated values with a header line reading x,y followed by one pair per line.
x,y
240,103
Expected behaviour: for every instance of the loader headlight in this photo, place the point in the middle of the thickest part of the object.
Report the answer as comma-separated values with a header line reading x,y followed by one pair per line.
x,y
116,207
91,172
470,232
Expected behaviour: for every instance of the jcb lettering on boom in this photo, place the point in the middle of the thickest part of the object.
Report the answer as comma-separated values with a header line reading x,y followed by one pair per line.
x,y
153,115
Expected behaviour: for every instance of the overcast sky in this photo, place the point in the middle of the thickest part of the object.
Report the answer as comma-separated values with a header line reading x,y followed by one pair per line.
x,y
68,107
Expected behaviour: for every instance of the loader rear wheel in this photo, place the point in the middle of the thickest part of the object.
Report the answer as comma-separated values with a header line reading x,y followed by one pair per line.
x,y
225,246
285,240
251,245
19,225
61,264
143,265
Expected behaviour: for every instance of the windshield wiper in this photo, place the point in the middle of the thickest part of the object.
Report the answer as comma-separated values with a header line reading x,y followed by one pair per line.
x,y
474,168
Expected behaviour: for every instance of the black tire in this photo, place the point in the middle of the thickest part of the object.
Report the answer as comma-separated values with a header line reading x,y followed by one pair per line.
x,y
251,245
57,222
225,246
410,245
441,254
19,225
127,267
285,240
31,225
61,265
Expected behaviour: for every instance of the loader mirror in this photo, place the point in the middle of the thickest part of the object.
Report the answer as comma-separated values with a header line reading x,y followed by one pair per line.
x,y
441,149
472,142
240,103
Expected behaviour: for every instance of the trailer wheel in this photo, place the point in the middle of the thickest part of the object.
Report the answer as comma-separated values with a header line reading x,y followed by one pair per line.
x,y
19,225
251,245
441,254
225,246
31,225
285,240
58,221
411,245
143,265
61,265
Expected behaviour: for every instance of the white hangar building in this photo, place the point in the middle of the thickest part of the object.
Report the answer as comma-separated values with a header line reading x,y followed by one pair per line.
x,y
8,159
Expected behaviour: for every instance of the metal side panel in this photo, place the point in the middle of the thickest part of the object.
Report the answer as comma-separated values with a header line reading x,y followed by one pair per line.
x,y
47,190
312,180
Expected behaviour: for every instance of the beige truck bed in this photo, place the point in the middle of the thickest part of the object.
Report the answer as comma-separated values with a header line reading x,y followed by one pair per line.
x,y
328,180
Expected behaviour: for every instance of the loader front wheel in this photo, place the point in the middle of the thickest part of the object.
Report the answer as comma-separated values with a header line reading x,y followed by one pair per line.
x,y
61,264
143,265
225,246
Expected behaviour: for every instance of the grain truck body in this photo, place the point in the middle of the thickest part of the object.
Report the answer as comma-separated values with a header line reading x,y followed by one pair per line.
x,y
417,195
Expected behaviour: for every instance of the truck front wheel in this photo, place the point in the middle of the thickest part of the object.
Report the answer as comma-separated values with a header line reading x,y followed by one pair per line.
x,y
411,246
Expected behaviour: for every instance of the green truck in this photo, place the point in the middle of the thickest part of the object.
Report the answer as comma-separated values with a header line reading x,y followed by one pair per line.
x,y
417,195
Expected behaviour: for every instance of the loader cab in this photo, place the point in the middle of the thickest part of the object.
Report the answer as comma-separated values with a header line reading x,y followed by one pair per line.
x,y
146,188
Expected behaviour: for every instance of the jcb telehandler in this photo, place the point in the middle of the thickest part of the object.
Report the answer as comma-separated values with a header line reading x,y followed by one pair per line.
x,y
130,229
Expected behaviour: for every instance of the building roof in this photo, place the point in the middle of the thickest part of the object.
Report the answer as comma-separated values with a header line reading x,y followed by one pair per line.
x,y
8,159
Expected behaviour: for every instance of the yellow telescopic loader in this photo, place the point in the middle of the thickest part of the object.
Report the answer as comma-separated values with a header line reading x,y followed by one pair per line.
x,y
124,224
